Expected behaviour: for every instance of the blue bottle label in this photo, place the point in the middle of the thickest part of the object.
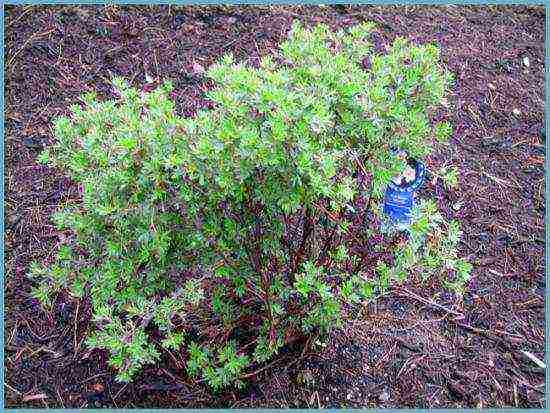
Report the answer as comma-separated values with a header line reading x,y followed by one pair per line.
x,y
399,200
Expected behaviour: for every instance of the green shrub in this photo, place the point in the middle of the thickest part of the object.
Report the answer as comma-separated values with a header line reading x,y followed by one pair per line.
x,y
241,221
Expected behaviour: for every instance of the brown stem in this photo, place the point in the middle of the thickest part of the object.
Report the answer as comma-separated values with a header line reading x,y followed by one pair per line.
x,y
306,232
326,247
265,282
329,241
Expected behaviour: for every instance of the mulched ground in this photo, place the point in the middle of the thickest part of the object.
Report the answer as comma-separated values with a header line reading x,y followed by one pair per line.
x,y
417,347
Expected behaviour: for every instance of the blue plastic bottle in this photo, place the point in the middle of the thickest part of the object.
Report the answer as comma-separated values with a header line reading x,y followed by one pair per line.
x,y
399,200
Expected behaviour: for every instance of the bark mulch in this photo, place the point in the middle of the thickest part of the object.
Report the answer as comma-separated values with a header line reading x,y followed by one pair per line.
x,y
417,347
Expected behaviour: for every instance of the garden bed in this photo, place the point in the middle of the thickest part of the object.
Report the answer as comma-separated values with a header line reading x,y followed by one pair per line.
x,y
417,347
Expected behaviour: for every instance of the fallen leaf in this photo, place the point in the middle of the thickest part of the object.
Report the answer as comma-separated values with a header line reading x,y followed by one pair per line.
x,y
534,359
228,21
198,68
98,387
536,159
385,396
31,397
14,116
526,61
187,28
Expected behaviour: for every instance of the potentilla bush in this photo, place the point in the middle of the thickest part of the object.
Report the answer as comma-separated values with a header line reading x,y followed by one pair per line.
x,y
233,232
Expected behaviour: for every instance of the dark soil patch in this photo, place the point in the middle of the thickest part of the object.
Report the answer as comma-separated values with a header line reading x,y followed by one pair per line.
x,y
403,351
